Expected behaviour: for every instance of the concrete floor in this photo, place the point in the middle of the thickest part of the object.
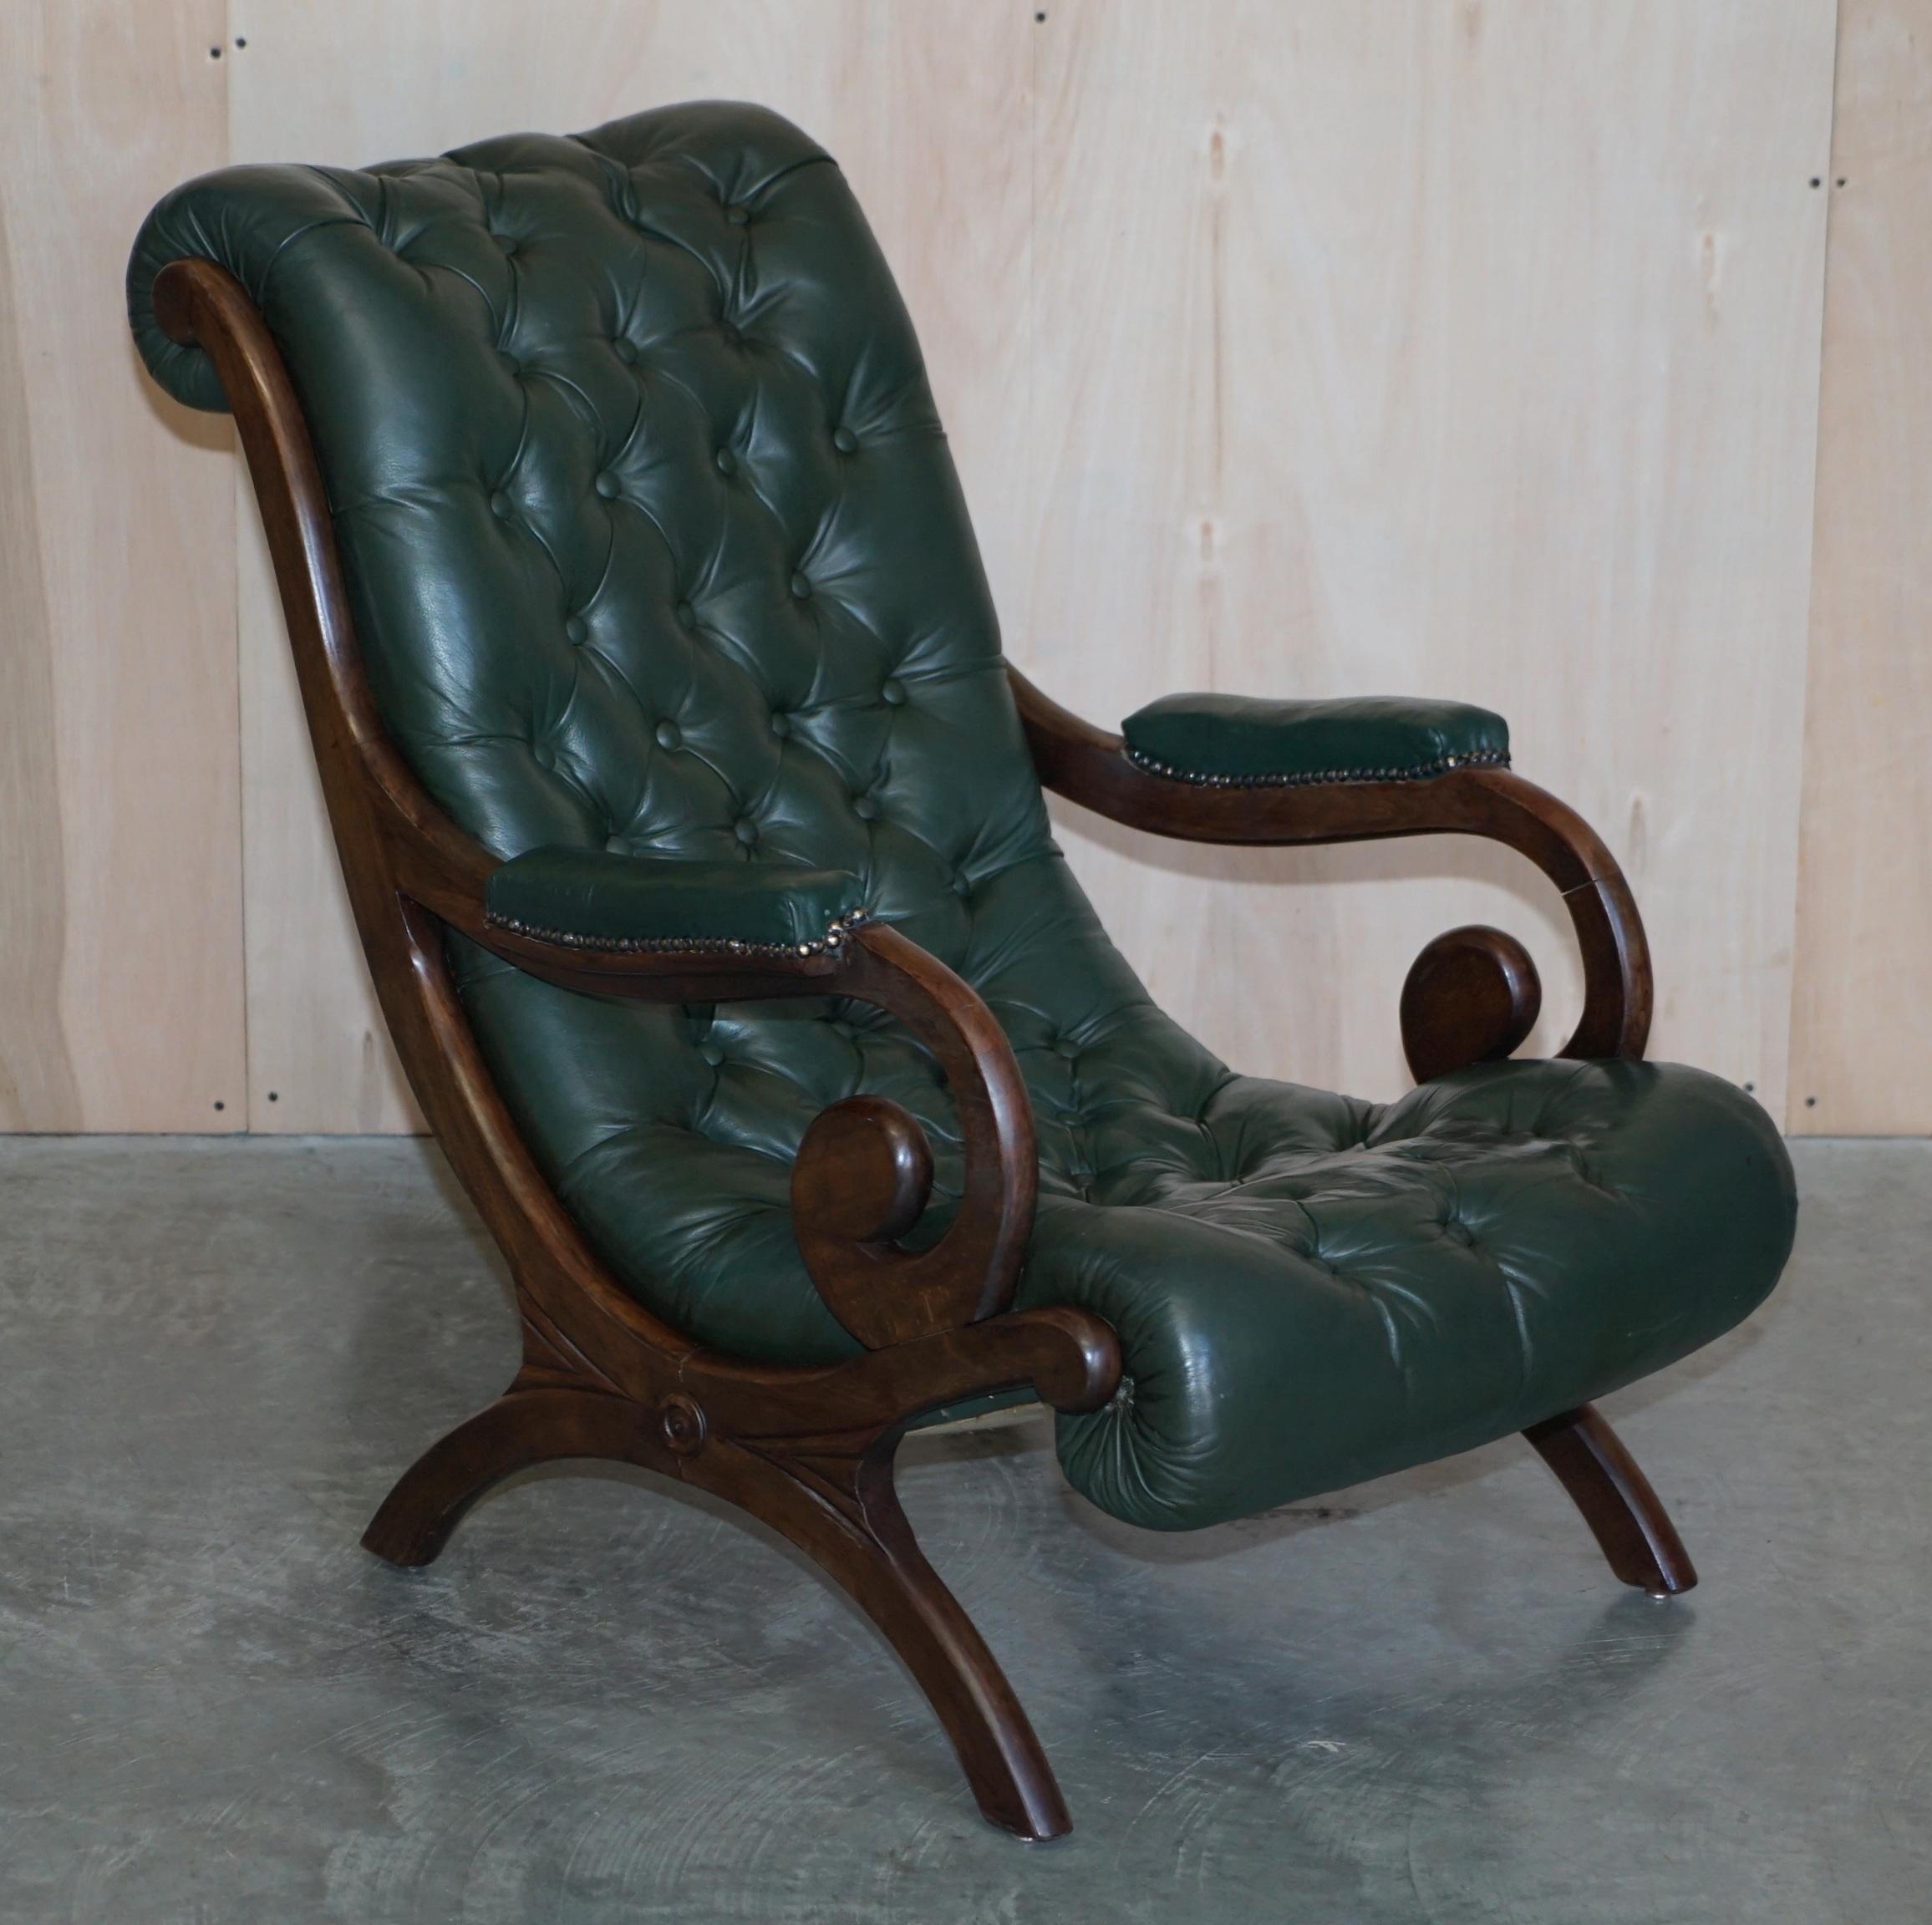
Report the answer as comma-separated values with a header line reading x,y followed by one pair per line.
x,y
1426,1700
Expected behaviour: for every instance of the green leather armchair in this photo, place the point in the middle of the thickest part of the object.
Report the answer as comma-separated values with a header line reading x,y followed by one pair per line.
x,y
694,827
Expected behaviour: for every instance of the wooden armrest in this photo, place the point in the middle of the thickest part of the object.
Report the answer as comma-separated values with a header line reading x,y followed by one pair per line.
x,y
864,1171
1472,993
594,898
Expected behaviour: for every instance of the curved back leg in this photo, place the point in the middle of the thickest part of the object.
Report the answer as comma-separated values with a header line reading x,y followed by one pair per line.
x,y
1615,1497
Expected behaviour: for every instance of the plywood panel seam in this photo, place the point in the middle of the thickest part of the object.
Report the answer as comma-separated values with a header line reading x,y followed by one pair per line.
x,y
1797,1099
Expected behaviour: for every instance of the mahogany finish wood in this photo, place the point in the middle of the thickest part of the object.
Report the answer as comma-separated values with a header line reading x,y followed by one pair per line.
x,y
1472,996
1615,1497
809,1451
1090,766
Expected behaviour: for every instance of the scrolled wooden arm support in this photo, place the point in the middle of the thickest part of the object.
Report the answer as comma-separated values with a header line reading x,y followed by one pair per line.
x,y
1472,993
864,1170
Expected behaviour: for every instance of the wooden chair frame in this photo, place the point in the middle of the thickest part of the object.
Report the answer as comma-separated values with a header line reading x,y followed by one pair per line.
x,y
810,1451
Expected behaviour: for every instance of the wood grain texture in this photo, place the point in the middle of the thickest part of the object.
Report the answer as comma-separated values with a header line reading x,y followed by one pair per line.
x,y
1461,350
120,912
1861,1002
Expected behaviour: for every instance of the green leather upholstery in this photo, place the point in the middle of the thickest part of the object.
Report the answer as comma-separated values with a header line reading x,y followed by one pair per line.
x,y
1238,738
600,899
655,549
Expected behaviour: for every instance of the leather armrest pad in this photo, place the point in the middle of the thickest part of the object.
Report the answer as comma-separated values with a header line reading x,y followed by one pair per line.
x,y
592,898
1236,739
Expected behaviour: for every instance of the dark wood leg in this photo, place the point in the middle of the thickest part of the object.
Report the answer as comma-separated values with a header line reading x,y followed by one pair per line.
x,y
521,1428
838,1505
1615,1497
832,1497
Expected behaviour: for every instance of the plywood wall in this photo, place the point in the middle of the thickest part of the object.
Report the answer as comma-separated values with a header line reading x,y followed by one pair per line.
x,y
1862,1013
1468,350
1459,347
120,886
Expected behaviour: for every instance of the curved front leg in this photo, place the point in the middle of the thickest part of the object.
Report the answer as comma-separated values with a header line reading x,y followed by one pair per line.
x,y
810,1453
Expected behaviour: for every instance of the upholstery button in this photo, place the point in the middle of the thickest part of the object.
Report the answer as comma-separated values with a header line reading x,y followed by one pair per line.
x,y
711,1053
499,505
961,886
1066,1047
780,725
576,629
893,693
512,363
727,462
865,808
800,588
668,735
507,243
745,830
624,352
606,485
844,441
687,616
736,216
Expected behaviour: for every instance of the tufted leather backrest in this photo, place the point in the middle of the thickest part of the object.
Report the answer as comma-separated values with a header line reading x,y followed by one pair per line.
x,y
654,545
654,537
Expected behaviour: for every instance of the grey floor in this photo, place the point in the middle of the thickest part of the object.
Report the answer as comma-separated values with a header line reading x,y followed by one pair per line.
x,y
1425,1700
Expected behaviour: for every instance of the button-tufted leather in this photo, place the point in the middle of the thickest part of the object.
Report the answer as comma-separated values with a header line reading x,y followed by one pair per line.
x,y
705,411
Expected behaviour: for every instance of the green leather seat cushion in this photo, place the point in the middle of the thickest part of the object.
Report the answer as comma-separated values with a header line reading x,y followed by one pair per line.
x,y
656,552
1356,1288
598,898
1243,738
1309,1289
